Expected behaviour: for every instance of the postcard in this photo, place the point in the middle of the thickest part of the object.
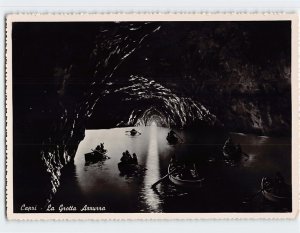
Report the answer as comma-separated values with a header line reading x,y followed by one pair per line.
x,y
152,116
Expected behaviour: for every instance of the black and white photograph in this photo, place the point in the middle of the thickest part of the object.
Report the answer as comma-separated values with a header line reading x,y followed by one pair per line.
x,y
186,116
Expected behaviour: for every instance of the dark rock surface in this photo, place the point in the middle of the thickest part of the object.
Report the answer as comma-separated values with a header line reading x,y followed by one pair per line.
x,y
71,76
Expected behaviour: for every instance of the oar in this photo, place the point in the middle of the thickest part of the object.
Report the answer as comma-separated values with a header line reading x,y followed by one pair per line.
x,y
163,178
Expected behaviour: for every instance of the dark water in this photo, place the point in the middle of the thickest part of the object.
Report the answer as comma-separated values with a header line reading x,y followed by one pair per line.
x,y
227,184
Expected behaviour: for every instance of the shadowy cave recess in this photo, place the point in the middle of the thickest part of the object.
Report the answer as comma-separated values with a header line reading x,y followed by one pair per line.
x,y
71,76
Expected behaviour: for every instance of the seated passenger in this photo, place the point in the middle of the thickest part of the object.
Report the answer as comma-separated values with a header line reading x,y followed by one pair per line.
x,y
124,158
128,154
172,133
102,146
229,147
134,159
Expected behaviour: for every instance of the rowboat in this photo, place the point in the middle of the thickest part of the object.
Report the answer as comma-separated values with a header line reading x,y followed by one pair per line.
x,y
95,156
127,167
185,183
268,193
133,132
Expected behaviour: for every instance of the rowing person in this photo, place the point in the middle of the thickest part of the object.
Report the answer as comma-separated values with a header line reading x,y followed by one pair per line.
x,y
100,148
134,159
173,137
125,158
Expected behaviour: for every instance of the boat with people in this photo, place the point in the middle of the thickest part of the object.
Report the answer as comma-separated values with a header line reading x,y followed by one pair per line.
x,y
95,156
177,175
275,190
129,163
230,150
172,139
98,154
133,132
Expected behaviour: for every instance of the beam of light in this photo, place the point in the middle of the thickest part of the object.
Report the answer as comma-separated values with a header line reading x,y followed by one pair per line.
x,y
152,173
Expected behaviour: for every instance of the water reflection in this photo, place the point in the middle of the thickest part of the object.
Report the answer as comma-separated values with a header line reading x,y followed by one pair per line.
x,y
101,183
152,172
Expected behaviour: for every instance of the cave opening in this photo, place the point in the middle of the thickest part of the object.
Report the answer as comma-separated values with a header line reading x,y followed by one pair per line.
x,y
153,116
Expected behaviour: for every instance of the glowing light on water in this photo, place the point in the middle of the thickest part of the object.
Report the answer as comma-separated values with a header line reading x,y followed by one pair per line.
x,y
153,125
152,172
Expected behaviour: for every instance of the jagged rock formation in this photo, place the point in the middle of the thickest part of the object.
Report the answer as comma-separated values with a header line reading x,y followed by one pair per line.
x,y
68,77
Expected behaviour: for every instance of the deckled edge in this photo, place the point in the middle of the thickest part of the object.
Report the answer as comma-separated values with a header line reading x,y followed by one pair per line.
x,y
293,16
7,159
298,106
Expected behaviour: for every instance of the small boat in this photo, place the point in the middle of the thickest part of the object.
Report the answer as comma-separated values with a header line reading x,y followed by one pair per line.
x,y
185,183
268,192
133,132
95,156
172,140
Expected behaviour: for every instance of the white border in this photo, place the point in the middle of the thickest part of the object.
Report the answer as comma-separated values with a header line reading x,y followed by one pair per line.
x,y
151,17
